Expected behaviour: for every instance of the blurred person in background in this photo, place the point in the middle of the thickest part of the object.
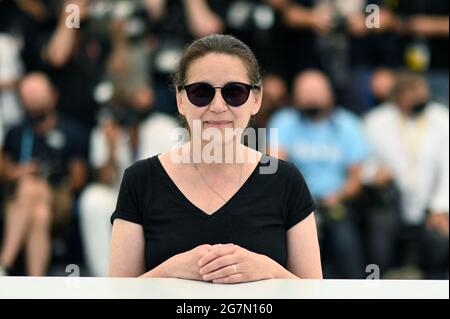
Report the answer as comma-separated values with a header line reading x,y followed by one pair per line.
x,y
361,38
114,146
409,138
11,69
328,145
372,89
11,64
276,96
382,82
300,23
129,129
44,169
423,28
174,23
73,57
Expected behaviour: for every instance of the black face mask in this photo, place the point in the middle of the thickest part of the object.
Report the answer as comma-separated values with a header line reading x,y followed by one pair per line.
x,y
37,117
419,108
313,112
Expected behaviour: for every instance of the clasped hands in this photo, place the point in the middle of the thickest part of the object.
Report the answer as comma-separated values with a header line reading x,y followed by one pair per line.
x,y
223,264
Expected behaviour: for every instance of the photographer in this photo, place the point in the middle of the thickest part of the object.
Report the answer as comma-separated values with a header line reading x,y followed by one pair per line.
x,y
409,142
73,56
327,143
45,170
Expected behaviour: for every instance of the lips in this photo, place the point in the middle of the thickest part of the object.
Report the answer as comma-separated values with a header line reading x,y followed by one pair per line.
x,y
217,122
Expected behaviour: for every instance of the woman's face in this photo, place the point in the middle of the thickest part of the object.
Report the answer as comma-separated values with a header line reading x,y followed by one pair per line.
x,y
218,69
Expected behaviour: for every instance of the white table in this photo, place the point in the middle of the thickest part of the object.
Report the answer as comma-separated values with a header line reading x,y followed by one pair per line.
x,y
126,288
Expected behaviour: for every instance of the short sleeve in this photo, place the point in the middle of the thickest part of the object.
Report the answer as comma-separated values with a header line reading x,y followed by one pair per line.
x,y
300,203
128,202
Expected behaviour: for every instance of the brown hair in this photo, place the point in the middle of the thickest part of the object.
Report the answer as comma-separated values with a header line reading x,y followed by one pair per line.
x,y
406,81
217,43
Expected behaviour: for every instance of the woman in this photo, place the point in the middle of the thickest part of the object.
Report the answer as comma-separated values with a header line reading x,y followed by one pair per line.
x,y
219,221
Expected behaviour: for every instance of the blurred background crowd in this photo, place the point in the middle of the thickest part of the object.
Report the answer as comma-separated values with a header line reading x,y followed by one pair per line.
x,y
362,111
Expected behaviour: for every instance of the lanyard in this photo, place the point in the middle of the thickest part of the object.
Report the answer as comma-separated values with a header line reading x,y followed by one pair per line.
x,y
411,139
26,147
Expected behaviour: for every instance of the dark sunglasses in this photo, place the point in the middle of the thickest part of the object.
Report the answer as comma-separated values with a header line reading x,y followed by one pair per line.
x,y
234,93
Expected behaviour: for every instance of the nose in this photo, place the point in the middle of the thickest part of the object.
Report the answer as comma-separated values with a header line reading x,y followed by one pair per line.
x,y
218,105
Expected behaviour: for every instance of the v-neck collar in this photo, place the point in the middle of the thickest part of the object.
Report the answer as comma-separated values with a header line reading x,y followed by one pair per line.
x,y
195,207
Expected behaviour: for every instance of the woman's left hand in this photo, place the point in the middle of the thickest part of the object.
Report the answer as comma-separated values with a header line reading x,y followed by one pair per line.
x,y
226,264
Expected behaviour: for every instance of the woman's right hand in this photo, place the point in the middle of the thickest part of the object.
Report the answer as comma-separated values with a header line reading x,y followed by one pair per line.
x,y
185,265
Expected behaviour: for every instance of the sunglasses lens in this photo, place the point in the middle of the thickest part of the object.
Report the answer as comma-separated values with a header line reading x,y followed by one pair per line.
x,y
200,94
235,94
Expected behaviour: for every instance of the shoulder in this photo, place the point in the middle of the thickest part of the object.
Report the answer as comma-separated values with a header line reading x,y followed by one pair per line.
x,y
139,172
288,181
140,167
346,118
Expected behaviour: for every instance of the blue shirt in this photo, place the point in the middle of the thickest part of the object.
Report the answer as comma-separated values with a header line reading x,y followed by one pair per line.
x,y
323,150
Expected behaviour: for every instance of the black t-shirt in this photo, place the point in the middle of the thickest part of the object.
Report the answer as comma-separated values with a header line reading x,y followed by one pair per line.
x,y
53,151
256,217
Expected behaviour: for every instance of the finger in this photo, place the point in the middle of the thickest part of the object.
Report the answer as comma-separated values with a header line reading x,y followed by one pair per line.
x,y
216,252
218,263
233,279
220,273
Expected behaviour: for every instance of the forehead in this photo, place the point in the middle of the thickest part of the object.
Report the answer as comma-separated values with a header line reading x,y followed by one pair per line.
x,y
217,69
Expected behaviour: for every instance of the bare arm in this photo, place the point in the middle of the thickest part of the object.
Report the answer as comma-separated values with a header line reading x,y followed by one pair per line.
x,y
127,250
156,8
77,174
127,256
350,189
297,16
428,26
353,184
13,171
303,250
62,42
33,8
201,20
